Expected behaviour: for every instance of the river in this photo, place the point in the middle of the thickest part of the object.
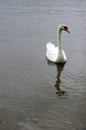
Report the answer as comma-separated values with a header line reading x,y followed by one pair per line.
x,y
35,94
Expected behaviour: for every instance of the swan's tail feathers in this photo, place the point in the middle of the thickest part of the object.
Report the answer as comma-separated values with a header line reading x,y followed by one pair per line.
x,y
49,45
51,52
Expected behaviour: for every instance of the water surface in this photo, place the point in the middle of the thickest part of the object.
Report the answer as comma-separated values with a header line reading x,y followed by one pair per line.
x,y
35,94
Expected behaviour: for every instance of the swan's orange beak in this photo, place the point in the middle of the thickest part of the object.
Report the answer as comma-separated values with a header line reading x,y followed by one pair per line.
x,y
67,30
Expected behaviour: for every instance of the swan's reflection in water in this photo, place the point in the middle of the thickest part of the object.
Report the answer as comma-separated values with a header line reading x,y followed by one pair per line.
x,y
59,68
58,81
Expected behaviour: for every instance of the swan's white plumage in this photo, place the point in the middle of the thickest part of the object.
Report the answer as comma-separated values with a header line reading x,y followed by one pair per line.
x,y
53,53
56,54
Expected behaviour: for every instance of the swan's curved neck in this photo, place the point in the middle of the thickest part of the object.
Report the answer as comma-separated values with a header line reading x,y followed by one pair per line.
x,y
59,38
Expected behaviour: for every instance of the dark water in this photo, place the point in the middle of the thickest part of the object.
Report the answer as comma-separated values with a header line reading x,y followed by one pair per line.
x,y
35,94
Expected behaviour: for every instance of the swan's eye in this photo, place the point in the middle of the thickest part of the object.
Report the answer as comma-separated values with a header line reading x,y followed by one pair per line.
x,y
65,28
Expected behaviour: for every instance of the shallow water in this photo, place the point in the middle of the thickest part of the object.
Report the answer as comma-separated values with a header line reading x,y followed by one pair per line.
x,y
35,94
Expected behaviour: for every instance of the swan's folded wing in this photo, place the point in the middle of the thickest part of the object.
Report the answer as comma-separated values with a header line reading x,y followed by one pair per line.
x,y
51,52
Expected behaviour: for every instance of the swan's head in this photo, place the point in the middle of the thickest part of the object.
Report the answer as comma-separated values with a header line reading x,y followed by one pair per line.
x,y
63,27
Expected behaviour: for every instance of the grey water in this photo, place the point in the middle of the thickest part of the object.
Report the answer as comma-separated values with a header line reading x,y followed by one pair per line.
x,y
34,93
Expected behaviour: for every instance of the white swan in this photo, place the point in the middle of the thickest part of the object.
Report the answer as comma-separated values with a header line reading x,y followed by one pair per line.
x,y
56,54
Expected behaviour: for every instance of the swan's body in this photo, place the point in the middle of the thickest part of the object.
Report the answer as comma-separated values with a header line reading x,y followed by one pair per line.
x,y
56,54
